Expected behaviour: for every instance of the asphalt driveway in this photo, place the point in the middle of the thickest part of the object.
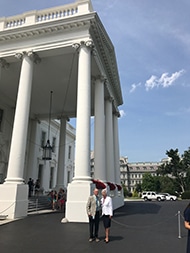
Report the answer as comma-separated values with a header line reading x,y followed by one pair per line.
x,y
145,227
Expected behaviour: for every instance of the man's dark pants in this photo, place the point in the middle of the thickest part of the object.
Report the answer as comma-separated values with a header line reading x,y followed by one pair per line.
x,y
94,225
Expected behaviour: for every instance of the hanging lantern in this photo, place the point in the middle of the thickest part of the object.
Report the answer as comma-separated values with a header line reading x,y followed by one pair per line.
x,y
47,149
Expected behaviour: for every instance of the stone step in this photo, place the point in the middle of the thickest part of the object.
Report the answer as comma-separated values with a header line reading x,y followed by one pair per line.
x,y
36,203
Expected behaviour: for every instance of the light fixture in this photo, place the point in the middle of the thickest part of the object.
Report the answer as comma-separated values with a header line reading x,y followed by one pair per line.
x,y
47,149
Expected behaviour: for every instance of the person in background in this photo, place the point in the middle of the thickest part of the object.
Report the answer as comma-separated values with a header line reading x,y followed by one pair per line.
x,y
61,198
54,199
30,187
37,187
187,225
107,213
93,211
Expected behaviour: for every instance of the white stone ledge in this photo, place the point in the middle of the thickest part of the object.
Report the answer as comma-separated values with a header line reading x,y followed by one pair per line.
x,y
35,17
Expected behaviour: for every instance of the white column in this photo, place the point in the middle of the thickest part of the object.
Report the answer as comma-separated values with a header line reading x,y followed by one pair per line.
x,y
81,186
82,157
116,150
109,141
14,193
61,156
32,166
99,131
19,135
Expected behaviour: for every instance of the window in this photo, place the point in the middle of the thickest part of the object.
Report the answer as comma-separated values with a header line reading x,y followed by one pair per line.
x,y
43,139
68,176
51,177
69,153
53,144
40,172
1,119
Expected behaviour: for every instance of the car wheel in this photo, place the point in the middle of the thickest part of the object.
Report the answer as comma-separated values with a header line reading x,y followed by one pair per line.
x,y
145,199
159,199
171,199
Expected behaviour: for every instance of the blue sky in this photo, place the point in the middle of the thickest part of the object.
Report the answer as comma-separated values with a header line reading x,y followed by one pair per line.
x,y
152,46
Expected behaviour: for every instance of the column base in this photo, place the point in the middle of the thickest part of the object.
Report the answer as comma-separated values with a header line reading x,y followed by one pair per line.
x,y
14,200
77,197
118,201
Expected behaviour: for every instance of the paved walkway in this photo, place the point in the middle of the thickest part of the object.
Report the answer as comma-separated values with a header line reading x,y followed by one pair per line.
x,y
145,227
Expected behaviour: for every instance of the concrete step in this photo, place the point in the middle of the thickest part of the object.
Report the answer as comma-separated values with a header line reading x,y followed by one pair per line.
x,y
36,203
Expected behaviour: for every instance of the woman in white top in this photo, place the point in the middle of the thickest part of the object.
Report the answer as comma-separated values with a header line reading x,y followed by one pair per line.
x,y
107,213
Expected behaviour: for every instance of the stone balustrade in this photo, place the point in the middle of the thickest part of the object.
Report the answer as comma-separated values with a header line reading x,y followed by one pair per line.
x,y
34,17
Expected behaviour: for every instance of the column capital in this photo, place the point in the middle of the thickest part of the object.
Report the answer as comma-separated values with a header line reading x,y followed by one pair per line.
x,y
117,114
109,98
4,63
33,56
88,43
63,117
102,78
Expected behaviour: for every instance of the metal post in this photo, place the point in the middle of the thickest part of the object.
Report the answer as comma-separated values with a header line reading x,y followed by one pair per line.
x,y
36,205
179,224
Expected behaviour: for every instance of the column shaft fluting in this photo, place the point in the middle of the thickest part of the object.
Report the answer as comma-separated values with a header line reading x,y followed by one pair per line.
x,y
19,135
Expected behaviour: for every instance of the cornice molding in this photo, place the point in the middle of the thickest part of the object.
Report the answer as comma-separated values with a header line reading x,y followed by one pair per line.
x,y
40,29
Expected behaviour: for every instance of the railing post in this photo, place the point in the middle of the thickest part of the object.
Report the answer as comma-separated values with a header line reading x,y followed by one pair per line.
x,y
179,225
37,205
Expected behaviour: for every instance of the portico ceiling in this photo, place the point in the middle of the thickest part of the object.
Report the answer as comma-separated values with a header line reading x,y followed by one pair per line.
x,y
57,70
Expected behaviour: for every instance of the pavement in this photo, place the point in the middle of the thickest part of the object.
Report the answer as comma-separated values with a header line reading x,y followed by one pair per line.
x,y
145,227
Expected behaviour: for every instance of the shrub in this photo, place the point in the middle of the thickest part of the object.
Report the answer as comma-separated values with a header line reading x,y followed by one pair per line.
x,y
185,195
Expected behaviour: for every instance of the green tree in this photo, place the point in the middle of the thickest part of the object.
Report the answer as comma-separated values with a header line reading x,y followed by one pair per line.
x,y
175,167
186,164
138,188
167,184
148,182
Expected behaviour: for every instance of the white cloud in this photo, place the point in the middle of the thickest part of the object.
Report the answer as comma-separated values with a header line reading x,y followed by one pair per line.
x,y
122,113
151,83
164,81
134,86
179,112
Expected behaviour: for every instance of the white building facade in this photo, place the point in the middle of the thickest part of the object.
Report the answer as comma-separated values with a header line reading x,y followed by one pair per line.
x,y
132,173
35,166
65,50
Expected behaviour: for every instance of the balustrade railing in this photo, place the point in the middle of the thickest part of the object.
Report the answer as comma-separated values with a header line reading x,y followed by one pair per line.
x,y
34,17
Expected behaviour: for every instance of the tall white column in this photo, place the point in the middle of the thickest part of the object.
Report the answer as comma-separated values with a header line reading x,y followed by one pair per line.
x,y
82,157
32,166
99,131
14,193
82,182
19,135
109,141
116,150
61,156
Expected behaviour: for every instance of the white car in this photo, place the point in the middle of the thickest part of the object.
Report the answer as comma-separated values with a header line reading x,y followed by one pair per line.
x,y
170,197
153,196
